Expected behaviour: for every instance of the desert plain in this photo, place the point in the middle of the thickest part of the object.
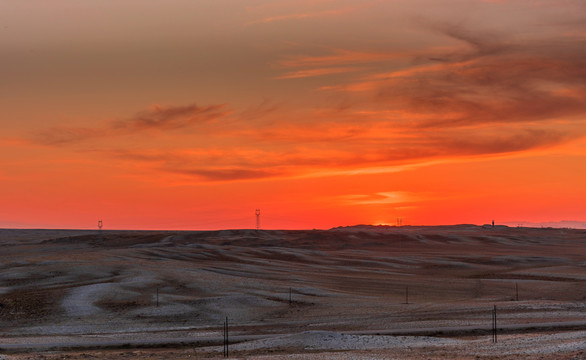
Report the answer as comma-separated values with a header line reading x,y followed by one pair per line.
x,y
361,292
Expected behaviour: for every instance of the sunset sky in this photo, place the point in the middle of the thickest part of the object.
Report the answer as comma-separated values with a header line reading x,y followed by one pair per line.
x,y
191,114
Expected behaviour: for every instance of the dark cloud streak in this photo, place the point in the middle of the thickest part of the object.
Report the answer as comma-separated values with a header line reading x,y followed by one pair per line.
x,y
225,174
157,119
235,165
494,83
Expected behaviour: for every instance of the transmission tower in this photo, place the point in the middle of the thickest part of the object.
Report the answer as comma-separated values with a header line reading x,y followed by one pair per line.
x,y
257,212
100,224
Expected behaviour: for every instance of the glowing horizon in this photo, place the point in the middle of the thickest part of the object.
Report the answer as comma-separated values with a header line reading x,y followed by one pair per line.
x,y
192,114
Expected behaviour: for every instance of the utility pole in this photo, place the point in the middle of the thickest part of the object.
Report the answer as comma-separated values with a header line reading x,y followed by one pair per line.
x,y
257,212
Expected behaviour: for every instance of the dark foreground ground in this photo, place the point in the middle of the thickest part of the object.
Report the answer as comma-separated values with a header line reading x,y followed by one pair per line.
x,y
349,293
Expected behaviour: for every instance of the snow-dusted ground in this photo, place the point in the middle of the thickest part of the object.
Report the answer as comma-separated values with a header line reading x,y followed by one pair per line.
x,y
517,345
328,340
80,300
325,292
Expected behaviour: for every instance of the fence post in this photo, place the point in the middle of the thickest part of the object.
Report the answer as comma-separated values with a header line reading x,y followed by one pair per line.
x,y
226,342
494,326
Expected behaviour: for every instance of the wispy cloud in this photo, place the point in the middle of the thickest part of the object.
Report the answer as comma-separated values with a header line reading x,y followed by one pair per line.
x,y
487,96
156,118
339,57
226,174
365,154
389,197
487,80
207,164
170,118
330,63
265,108
316,72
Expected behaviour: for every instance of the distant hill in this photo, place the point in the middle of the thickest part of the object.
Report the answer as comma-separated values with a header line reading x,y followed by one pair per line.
x,y
364,227
565,224
552,224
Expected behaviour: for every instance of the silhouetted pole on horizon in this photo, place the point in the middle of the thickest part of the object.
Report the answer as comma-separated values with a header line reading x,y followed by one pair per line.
x,y
257,212
101,236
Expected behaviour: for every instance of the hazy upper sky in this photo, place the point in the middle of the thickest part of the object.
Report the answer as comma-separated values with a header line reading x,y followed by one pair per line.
x,y
192,114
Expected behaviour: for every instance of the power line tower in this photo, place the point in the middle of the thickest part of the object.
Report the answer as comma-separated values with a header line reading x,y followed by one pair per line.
x,y
100,224
257,212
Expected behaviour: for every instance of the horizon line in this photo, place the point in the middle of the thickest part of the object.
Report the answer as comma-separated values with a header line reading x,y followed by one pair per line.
x,y
508,224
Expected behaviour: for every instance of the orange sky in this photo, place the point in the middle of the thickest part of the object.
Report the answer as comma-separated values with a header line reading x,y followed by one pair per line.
x,y
182,114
